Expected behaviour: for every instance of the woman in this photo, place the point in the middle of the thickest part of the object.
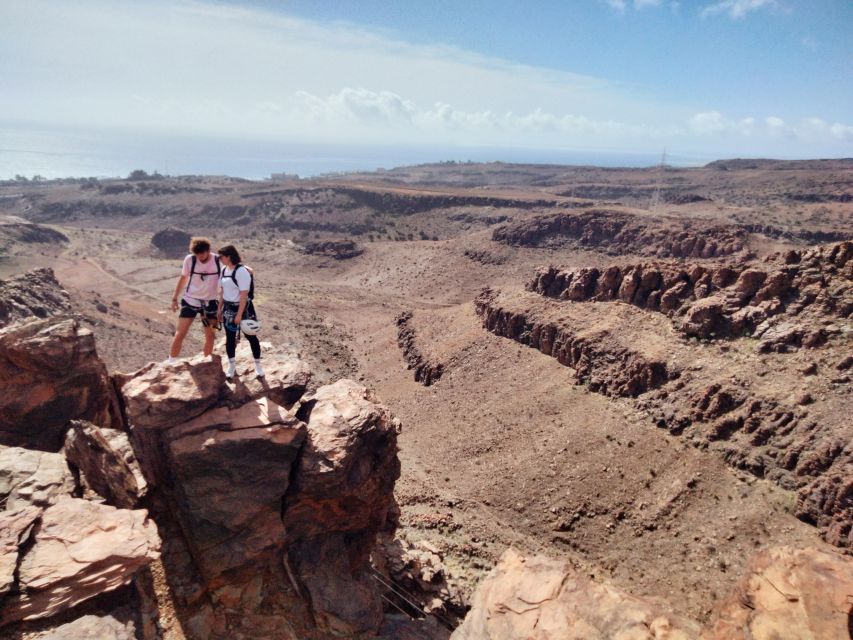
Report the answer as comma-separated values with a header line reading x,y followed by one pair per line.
x,y
236,291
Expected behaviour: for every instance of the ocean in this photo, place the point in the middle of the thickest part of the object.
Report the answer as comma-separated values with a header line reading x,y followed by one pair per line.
x,y
62,153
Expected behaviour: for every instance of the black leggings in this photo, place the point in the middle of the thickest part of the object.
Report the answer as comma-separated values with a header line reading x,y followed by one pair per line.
x,y
231,344
231,337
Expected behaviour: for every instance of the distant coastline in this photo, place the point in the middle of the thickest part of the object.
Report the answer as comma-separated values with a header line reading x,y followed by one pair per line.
x,y
30,150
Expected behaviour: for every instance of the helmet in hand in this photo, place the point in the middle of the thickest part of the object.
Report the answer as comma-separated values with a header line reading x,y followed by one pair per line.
x,y
250,327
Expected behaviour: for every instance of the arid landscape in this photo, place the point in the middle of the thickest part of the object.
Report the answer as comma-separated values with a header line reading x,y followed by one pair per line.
x,y
643,375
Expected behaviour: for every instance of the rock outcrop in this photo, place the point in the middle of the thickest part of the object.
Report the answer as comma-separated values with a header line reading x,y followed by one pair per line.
x,y
426,372
600,359
786,594
70,552
776,301
29,477
803,594
337,249
619,232
341,497
15,230
171,242
106,463
34,294
263,493
539,599
50,374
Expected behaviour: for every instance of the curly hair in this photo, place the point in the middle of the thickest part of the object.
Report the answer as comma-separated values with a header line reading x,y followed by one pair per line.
x,y
199,245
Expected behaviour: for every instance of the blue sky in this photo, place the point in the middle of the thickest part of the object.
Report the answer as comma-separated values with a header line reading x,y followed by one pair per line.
x,y
707,77
791,57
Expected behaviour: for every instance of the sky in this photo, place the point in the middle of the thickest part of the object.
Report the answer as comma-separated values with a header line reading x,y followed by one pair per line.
x,y
710,78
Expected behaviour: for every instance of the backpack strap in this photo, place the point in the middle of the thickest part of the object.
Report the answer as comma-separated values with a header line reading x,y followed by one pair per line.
x,y
233,276
192,271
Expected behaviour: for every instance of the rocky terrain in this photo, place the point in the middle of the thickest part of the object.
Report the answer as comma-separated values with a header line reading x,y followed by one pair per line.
x,y
637,379
278,494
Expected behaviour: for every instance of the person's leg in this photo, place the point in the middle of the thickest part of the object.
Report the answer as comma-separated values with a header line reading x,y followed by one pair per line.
x,y
255,344
231,350
209,338
180,333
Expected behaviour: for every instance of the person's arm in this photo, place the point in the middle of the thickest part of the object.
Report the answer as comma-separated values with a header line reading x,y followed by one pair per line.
x,y
182,283
244,299
244,281
220,305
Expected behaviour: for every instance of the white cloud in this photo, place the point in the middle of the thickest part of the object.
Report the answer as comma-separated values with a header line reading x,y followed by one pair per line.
x,y
713,123
188,67
808,130
383,109
622,5
737,8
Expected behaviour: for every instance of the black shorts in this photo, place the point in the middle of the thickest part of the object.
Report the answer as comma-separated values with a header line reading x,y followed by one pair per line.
x,y
210,309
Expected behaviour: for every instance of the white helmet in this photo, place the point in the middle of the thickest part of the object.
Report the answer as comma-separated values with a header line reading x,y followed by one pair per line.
x,y
250,327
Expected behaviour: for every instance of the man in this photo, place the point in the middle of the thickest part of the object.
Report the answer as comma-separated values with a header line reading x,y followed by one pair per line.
x,y
198,290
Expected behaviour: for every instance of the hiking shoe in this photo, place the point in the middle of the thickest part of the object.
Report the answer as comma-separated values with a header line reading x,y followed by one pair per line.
x,y
232,369
259,370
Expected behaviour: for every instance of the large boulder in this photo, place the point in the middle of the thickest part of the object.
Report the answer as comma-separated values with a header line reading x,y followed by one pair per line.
x,y
270,498
231,469
76,551
50,373
341,496
38,478
106,462
542,599
705,318
789,594
161,396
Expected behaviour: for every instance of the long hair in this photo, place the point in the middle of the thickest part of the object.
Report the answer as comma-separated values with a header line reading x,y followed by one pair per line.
x,y
231,251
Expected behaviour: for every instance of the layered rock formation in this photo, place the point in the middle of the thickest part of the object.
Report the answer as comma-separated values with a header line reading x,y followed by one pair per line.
x,y
775,301
426,372
618,232
786,595
29,477
599,358
70,552
33,294
50,373
709,400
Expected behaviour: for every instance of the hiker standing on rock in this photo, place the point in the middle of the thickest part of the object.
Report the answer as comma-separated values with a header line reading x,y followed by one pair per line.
x,y
197,288
236,308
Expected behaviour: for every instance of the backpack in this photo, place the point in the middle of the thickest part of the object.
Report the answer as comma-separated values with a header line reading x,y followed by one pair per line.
x,y
233,277
202,274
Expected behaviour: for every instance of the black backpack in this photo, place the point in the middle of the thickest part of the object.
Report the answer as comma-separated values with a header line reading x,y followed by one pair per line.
x,y
233,276
201,273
